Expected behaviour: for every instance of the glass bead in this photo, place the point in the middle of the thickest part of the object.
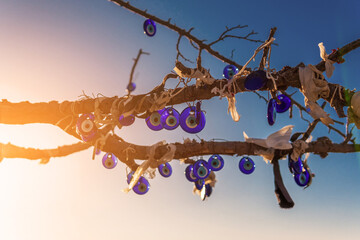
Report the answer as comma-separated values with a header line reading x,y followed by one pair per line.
x,y
303,178
170,118
201,169
199,184
255,80
154,121
131,87
109,161
188,120
165,170
216,162
285,103
230,71
246,165
271,112
149,27
126,121
189,173
142,187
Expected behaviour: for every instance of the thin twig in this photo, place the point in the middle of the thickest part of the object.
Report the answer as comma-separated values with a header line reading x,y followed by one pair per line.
x,y
134,65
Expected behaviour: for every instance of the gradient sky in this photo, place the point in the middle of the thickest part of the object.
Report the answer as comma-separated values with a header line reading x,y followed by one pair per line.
x,y
52,50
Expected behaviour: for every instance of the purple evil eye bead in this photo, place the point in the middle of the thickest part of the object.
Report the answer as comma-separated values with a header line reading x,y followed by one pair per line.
x,y
255,80
208,189
285,103
189,173
142,187
154,121
87,138
271,112
246,165
295,167
165,170
126,121
216,162
149,27
98,151
188,120
131,87
129,177
109,161
302,179
201,169
85,125
230,71
170,118
199,184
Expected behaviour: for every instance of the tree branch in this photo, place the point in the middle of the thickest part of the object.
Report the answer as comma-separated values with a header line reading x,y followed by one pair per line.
x,y
11,151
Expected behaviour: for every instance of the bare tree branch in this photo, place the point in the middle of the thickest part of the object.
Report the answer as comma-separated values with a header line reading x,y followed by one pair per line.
x,y
11,151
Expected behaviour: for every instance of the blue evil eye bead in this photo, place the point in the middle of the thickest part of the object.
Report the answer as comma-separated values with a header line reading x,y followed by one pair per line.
x,y
165,169
199,184
188,120
255,80
246,165
189,173
170,118
208,189
85,125
129,177
285,103
295,167
230,71
216,162
131,87
109,161
142,187
149,27
126,121
201,169
302,179
271,112
154,121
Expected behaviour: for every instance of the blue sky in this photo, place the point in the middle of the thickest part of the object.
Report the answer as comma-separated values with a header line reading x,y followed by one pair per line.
x,y
52,50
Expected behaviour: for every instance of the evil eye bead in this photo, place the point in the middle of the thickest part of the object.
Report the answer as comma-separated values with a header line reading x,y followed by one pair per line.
x,y
129,177
131,87
208,189
285,103
271,112
302,179
295,167
216,162
109,161
189,173
255,80
142,187
230,71
201,169
98,151
199,184
149,27
165,170
189,121
246,165
87,138
85,125
154,121
170,118
126,121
